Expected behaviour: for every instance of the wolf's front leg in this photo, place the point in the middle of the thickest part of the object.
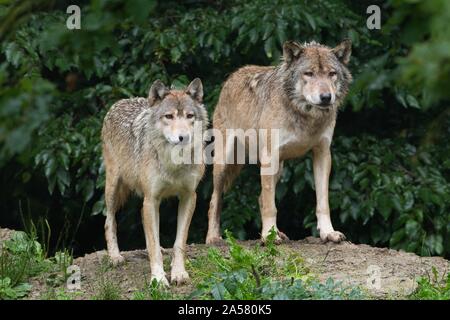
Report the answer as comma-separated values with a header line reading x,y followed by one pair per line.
x,y
322,168
186,209
150,219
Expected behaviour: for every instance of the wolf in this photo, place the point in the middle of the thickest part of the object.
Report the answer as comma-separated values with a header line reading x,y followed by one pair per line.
x,y
299,98
138,137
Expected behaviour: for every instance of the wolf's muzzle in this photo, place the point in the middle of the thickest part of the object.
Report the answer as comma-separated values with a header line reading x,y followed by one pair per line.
x,y
325,98
323,107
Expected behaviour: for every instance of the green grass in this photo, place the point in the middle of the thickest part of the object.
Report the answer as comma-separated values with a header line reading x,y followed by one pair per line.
x,y
21,258
105,288
261,273
108,290
153,291
432,288
59,294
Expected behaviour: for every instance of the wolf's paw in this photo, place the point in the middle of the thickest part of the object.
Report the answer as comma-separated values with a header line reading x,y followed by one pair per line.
x,y
279,239
161,278
179,277
333,236
215,241
116,259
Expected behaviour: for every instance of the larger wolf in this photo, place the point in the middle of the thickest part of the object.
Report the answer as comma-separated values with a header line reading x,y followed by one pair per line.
x,y
300,98
138,136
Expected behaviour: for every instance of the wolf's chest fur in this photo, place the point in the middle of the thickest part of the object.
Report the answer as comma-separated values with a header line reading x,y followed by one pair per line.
x,y
166,182
300,136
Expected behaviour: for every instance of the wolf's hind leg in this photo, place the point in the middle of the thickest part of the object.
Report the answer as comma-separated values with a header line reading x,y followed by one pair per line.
x,y
115,195
186,209
268,207
215,205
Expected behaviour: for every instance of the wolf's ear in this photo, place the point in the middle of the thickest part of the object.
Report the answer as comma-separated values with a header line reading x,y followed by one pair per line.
x,y
157,92
291,51
343,51
195,89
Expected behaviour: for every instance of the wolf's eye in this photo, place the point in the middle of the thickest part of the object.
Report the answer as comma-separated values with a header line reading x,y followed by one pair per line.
x,y
308,74
332,74
190,116
168,116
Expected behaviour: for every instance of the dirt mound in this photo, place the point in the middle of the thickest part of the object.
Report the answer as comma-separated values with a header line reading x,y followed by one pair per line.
x,y
385,273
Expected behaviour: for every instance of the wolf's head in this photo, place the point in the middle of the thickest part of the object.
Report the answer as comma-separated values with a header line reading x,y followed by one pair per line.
x,y
175,111
316,75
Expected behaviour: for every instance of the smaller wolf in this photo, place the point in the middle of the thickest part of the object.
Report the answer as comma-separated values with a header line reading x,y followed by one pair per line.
x,y
138,137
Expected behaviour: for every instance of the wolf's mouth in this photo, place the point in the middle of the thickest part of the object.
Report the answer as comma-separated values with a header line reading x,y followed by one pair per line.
x,y
324,107
180,143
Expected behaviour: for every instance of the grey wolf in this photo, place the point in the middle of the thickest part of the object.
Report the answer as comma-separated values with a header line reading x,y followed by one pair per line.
x,y
138,135
300,98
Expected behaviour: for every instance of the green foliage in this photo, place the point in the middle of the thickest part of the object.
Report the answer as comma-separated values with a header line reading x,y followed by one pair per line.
x,y
314,290
24,110
252,274
10,292
377,196
62,260
390,176
105,287
426,68
153,291
21,258
108,290
241,204
59,294
73,149
399,198
432,288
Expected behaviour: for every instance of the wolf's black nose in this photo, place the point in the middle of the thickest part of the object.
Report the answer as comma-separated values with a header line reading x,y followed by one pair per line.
x,y
183,138
325,98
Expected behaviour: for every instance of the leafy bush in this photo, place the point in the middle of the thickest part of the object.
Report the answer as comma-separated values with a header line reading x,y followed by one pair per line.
x,y
398,198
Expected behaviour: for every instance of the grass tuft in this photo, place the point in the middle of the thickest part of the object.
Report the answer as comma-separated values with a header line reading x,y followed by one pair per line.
x,y
432,288
260,273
